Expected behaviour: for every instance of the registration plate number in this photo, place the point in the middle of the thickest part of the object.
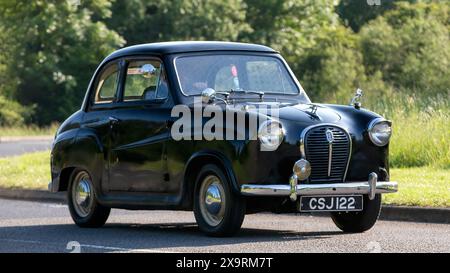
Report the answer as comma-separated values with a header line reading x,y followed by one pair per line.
x,y
331,203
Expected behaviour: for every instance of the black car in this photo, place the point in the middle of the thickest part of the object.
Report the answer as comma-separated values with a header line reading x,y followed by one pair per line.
x,y
222,129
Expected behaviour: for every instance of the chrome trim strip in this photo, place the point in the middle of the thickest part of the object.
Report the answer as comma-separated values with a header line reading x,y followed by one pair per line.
x,y
303,135
320,189
330,158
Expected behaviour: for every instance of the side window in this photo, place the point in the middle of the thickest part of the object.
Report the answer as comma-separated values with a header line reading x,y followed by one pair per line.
x,y
145,80
107,85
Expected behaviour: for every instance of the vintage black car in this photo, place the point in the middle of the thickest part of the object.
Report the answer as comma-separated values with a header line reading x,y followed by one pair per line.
x,y
120,150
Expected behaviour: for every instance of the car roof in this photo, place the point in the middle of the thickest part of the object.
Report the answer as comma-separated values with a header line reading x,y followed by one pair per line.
x,y
187,46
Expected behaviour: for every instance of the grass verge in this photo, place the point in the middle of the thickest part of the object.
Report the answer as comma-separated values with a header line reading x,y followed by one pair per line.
x,y
29,171
28,131
419,186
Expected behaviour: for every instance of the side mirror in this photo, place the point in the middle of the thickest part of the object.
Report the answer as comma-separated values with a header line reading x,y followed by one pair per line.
x,y
148,70
208,95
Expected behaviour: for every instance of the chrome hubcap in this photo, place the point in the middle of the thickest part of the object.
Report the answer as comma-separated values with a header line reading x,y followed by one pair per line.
x,y
212,202
82,194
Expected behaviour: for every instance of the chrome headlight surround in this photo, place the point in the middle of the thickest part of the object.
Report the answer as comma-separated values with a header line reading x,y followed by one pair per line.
x,y
270,135
380,131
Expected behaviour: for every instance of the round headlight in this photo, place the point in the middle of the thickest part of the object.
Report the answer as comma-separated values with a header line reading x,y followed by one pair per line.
x,y
270,135
380,131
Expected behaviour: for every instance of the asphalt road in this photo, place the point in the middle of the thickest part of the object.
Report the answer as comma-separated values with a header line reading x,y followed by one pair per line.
x,y
11,148
47,227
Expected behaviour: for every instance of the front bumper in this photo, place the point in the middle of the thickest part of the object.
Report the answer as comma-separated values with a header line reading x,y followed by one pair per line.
x,y
370,187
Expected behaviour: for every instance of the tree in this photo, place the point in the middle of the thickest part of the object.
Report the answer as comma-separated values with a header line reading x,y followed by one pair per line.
x,y
56,48
410,47
356,13
140,21
333,68
292,27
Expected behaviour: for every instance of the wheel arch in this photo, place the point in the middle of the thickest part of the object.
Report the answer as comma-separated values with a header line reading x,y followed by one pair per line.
x,y
193,167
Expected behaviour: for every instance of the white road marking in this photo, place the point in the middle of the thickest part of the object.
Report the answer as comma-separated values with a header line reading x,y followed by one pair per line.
x,y
55,206
110,248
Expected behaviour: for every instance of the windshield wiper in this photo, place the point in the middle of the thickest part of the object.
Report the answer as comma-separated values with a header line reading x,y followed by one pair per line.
x,y
259,93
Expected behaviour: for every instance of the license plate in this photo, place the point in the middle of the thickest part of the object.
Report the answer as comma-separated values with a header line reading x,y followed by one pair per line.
x,y
331,203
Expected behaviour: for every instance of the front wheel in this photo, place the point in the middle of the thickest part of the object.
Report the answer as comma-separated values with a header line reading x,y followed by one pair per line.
x,y
217,209
360,221
83,205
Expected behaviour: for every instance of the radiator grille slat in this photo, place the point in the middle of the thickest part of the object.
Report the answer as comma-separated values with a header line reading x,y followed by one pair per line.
x,y
317,153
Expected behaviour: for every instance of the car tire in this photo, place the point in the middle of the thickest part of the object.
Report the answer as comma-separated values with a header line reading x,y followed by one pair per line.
x,y
82,201
356,222
218,210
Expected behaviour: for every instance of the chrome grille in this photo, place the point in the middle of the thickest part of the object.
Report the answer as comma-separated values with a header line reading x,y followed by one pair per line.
x,y
317,152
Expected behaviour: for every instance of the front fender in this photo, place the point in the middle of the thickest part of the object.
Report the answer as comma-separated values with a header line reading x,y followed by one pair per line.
x,y
77,148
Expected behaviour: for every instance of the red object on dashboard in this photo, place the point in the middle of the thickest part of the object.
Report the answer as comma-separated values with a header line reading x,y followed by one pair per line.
x,y
234,71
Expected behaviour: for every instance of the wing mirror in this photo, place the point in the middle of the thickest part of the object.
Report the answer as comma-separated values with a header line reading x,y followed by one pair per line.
x,y
148,71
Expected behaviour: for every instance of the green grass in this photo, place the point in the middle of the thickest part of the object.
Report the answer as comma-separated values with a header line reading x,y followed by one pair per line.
x,y
421,139
420,186
28,131
30,171
421,130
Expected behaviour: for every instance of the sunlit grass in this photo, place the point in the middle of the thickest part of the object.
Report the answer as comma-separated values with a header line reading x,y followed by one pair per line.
x,y
421,130
424,186
28,131
29,171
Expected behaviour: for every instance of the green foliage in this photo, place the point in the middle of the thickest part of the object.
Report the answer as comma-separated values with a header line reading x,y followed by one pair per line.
x,y
56,47
333,67
12,113
356,13
170,20
410,47
291,27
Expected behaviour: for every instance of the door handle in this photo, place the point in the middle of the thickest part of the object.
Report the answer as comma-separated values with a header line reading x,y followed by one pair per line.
x,y
113,120
169,124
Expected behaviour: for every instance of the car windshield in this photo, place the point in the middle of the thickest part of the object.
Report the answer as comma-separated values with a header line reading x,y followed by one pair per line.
x,y
229,72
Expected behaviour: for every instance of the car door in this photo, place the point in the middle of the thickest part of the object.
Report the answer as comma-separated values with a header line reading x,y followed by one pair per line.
x,y
138,161
98,119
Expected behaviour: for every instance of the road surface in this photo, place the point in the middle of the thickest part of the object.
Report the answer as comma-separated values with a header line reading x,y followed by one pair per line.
x,y
47,227
18,147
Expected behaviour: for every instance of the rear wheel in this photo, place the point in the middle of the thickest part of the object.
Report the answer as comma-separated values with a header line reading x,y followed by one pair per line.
x,y
82,201
217,209
360,221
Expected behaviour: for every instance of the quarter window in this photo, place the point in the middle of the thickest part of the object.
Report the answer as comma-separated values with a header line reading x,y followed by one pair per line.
x,y
145,80
107,85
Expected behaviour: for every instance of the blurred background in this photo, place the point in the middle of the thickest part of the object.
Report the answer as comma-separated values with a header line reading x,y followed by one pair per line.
x,y
398,52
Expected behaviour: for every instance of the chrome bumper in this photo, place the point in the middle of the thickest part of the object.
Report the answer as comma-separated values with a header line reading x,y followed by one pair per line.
x,y
370,187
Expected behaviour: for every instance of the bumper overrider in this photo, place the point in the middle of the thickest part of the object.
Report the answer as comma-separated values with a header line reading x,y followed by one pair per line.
x,y
371,187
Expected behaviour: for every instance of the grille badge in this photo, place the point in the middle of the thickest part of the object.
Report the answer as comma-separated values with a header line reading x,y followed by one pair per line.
x,y
329,135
